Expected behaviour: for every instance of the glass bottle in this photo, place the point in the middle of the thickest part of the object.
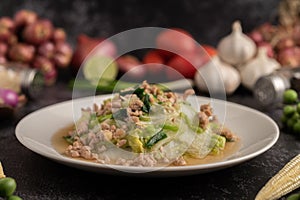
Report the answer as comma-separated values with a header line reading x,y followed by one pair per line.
x,y
21,79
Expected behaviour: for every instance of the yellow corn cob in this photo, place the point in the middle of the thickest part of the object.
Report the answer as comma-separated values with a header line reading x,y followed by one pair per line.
x,y
1,171
285,181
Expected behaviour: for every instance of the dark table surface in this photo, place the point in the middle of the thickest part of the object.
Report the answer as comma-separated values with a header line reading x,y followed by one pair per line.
x,y
40,178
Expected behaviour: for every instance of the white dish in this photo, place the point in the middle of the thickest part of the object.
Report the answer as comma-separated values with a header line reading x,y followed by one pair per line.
x,y
257,132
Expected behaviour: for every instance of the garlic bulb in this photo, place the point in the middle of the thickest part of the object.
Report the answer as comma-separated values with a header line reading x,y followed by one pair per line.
x,y
236,48
207,78
261,65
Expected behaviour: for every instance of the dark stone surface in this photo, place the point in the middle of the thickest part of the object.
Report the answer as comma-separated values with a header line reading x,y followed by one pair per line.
x,y
40,178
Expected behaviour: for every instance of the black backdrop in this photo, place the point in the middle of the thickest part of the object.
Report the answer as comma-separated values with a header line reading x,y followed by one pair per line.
x,y
206,20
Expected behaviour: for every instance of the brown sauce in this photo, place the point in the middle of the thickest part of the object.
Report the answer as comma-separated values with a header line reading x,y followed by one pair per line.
x,y
58,142
229,150
60,145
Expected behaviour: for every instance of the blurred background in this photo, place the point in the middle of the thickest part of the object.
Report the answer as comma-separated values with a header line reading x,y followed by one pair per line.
x,y
207,21
54,38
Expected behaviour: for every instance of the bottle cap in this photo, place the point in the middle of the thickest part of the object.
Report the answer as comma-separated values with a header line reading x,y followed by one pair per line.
x,y
269,89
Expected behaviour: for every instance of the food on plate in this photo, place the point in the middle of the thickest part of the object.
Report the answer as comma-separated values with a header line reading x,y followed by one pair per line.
x,y
145,126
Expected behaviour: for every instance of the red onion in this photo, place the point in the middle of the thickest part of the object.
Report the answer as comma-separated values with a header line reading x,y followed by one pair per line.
x,y
38,32
256,36
3,59
63,54
12,39
289,57
7,23
21,52
9,97
46,49
267,30
3,49
59,35
25,17
4,33
6,27
269,48
47,68
296,34
50,77
285,43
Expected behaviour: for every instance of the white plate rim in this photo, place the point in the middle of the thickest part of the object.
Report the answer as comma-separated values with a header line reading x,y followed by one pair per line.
x,y
203,168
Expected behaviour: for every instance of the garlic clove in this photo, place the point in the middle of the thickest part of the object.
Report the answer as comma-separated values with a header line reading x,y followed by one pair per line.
x,y
260,66
230,77
236,48
205,77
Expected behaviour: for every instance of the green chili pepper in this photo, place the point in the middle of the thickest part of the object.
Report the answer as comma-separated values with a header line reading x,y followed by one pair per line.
x,y
14,197
7,186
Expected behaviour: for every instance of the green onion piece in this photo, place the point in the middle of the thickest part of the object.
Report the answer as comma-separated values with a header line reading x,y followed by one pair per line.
x,y
171,127
197,129
155,138
104,117
145,118
147,104
139,92
69,139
